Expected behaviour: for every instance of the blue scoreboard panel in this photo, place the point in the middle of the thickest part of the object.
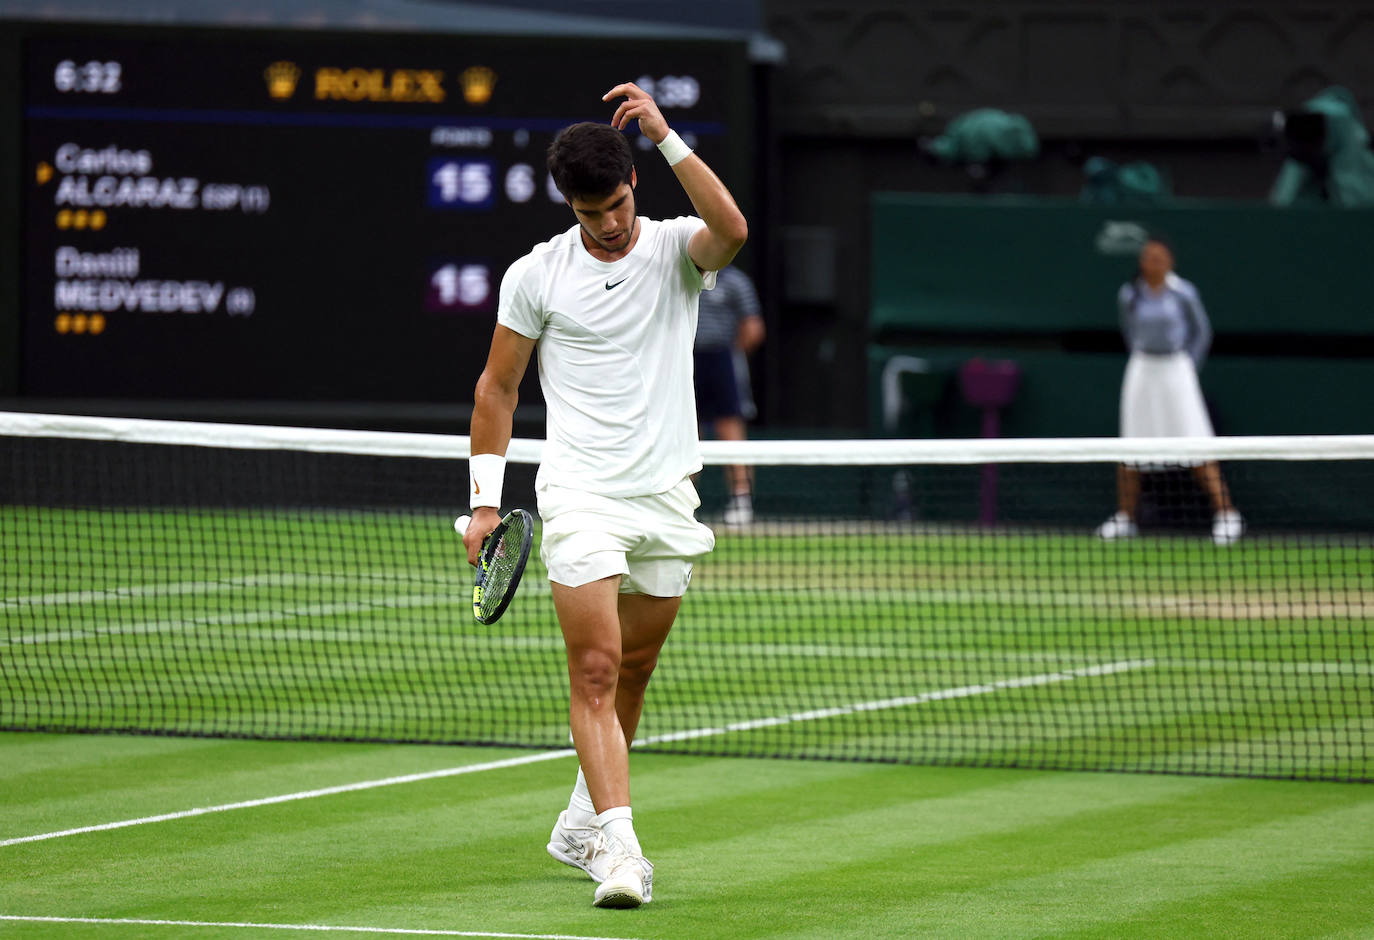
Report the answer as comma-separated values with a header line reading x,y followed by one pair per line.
x,y
242,215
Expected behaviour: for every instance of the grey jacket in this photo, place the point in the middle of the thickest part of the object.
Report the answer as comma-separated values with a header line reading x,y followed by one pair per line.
x,y
1167,322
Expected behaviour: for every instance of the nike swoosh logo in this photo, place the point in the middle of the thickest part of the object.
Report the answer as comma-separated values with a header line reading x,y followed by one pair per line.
x,y
609,285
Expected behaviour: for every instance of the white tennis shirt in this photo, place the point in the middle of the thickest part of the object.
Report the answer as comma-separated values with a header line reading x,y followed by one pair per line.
x,y
615,357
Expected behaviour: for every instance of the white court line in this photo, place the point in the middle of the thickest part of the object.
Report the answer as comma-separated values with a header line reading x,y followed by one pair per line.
x,y
965,691
1018,682
304,795
176,588
321,928
254,618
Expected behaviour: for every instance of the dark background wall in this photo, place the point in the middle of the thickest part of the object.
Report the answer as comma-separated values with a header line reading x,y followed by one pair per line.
x,y
1190,87
845,89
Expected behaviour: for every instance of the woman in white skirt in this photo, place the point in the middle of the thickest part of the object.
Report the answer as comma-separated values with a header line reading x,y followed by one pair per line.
x,y
1168,335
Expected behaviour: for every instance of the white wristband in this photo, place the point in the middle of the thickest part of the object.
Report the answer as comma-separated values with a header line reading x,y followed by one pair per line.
x,y
674,149
486,476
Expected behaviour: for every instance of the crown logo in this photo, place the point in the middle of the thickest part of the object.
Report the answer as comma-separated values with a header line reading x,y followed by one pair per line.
x,y
281,79
478,81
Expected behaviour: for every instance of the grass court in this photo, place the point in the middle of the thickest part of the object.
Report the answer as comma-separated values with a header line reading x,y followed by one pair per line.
x,y
922,650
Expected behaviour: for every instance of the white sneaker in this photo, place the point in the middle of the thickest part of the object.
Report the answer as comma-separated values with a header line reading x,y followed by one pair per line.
x,y
584,847
740,510
629,880
1227,527
1119,526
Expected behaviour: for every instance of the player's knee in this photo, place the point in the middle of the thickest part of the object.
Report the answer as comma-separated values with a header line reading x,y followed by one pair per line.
x,y
593,672
635,670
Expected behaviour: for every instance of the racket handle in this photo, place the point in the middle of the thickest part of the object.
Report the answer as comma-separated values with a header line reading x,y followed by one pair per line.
x,y
461,524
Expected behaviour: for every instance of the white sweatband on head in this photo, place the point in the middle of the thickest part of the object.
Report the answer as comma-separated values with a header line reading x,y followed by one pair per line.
x,y
674,149
486,476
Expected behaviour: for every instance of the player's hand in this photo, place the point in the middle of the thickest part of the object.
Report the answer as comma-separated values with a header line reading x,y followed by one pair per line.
x,y
637,106
484,519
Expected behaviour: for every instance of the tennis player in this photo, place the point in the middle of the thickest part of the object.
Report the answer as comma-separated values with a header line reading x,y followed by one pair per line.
x,y
1168,334
611,305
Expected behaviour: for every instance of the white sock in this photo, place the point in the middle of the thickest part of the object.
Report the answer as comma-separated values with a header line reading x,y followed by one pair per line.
x,y
581,812
619,823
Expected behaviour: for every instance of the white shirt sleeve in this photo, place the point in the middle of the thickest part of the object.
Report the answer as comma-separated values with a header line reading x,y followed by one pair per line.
x,y
520,307
682,229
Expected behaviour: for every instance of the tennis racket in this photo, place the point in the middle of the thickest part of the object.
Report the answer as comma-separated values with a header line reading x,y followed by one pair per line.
x,y
501,564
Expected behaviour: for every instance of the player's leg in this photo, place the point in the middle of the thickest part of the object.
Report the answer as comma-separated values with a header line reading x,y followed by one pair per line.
x,y
590,622
625,875
660,569
644,625
645,622
656,575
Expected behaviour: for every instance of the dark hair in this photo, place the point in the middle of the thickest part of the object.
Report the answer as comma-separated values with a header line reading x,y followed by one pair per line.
x,y
1155,238
1152,238
590,160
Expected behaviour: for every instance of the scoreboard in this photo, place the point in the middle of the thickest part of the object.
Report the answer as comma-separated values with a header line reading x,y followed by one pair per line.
x,y
312,216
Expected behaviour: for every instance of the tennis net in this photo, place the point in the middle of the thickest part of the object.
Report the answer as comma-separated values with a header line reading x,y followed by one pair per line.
x,y
941,602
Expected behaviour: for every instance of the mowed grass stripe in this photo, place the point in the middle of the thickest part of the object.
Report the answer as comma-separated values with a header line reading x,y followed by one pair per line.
x,y
1231,603
1318,904
954,864
349,621
743,849
915,846
1096,876
1280,859
1191,717
444,855
687,643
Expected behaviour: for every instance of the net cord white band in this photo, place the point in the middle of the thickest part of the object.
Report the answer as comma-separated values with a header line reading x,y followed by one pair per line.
x,y
884,452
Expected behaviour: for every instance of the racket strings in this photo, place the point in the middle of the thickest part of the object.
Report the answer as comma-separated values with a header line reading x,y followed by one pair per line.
x,y
503,564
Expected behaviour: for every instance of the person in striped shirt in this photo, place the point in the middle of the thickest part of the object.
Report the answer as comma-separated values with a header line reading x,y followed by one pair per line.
x,y
729,328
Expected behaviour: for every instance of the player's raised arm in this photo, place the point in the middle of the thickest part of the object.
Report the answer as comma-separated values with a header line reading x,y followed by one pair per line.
x,y
726,229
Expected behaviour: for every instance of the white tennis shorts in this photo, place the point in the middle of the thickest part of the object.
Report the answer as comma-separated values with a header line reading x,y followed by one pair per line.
x,y
651,541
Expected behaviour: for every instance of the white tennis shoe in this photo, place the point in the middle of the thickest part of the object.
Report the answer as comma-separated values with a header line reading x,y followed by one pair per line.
x,y
1227,527
584,847
740,510
629,880
1119,526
